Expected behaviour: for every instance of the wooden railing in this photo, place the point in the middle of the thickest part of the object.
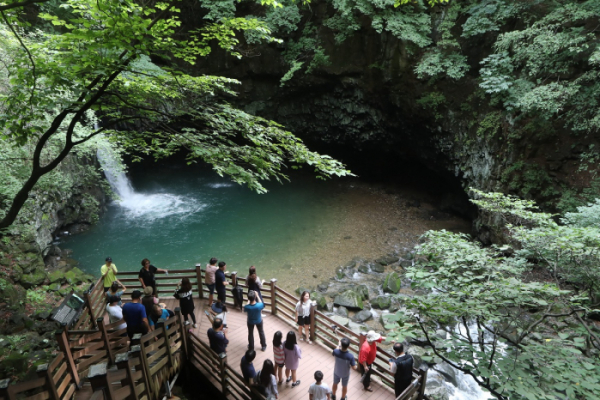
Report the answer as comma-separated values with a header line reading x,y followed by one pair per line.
x,y
145,366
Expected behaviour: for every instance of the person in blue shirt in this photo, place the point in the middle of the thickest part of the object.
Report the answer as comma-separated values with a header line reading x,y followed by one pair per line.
x,y
157,313
247,368
217,337
253,309
134,314
220,282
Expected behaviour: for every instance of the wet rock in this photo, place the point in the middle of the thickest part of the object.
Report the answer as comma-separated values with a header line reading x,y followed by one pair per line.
x,y
362,316
322,287
363,290
381,302
364,269
342,311
392,283
340,273
349,299
436,388
379,268
340,321
54,251
418,353
357,328
394,305
329,306
406,263
57,276
447,372
387,259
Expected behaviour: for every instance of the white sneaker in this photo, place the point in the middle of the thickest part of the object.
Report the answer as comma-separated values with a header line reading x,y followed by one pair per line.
x,y
195,326
186,323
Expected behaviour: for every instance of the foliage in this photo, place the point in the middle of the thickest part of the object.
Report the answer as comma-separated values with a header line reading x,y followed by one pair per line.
x,y
516,337
36,297
51,84
306,50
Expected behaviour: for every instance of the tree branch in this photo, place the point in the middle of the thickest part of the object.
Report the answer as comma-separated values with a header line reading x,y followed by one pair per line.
x,y
21,4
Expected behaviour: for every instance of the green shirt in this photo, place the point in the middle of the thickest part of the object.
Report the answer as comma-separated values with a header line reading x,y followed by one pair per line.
x,y
110,277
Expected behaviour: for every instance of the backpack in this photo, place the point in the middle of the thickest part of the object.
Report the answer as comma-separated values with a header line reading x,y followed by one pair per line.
x,y
238,296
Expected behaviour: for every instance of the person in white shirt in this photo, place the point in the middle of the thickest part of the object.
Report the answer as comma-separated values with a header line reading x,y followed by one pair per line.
x,y
115,312
319,390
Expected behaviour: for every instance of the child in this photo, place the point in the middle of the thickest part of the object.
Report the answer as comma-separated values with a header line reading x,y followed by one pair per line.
x,y
303,315
292,358
186,302
278,355
319,390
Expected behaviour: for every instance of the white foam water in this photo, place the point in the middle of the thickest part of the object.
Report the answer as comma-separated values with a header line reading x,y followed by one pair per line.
x,y
143,205
219,185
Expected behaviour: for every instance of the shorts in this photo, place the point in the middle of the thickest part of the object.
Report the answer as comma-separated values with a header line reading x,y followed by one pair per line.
x,y
302,321
106,288
337,379
211,288
280,365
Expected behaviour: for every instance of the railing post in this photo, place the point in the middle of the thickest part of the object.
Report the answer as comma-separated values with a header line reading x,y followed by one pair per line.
x,y
273,296
361,339
160,325
223,372
137,352
63,344
98,377
88,303
146,369
5,391
182,329
44,372
313,322
122,362
423,379
102,328
199,281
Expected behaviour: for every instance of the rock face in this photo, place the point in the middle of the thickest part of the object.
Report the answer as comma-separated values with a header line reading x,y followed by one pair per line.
x,y
362,316
392,283
350,299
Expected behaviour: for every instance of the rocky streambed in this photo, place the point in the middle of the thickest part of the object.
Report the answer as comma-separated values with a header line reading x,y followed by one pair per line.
x,y
360,296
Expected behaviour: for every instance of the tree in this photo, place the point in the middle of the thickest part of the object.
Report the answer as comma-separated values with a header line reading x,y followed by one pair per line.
x,y
518,337
98,60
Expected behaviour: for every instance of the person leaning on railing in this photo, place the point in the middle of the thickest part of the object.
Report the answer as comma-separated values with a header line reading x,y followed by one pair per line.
x,y
146,275
135,316
401,367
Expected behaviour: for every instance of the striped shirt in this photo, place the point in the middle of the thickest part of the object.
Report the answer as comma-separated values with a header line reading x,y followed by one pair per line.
x,y
279,355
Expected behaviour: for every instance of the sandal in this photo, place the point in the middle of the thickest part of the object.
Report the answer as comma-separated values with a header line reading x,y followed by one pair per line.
x,y
288,379
369,389
298,382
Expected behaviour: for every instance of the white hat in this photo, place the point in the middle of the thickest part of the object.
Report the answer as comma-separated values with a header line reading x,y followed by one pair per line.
x,y
372,336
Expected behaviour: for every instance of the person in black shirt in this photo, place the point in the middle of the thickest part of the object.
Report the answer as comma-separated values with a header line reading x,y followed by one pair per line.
x,y
220,282
186,301
146,275
217,337
401,367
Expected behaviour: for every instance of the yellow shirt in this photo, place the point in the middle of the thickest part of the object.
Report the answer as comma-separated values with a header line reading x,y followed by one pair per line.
x,y
110,277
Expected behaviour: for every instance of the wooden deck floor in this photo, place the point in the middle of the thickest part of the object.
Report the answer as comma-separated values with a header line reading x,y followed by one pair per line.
x,y
314,356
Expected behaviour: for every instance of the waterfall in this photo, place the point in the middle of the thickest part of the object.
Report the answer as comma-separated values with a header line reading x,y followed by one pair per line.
x,y
146,205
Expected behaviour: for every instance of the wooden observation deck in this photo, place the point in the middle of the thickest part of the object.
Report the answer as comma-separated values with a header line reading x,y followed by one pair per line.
x,y
97,362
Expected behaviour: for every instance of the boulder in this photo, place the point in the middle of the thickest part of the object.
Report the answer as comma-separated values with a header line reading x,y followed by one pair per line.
x,y
387,259
34,279
13,295
340,321
342,311
394,305
322,287
329,306
14,364
381,302
57,276
378,268
357,328
320,299
362,316
406,263
340,273
16,272
436,387
301,289
364,269
363,290
349,299
392,283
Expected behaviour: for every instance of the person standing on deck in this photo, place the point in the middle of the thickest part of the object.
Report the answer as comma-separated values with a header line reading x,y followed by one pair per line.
x,y
186,301
115,312
344,360
146,275
134,315
367,355
253,309
109,273
254,282
401,367
209,278
221,282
